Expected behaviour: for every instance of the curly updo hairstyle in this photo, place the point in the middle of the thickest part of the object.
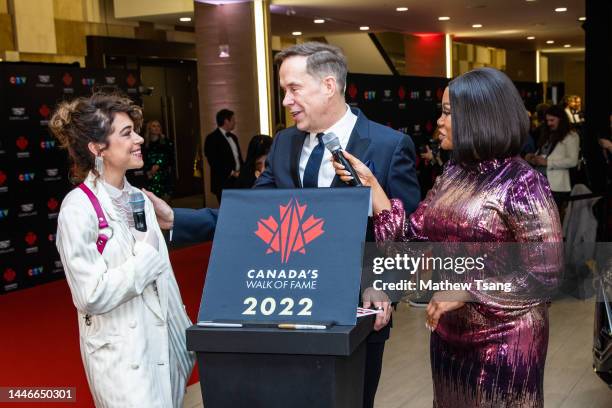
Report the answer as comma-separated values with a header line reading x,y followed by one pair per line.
x,y
83,120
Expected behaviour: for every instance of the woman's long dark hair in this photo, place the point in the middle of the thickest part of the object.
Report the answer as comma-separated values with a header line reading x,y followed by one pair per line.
x,y
258,146
555,136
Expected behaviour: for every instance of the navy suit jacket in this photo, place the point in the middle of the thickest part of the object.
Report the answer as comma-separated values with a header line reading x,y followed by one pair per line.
x,y
390,153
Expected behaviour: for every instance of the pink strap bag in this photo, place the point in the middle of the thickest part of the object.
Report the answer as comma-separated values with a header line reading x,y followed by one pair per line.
x,y
102,223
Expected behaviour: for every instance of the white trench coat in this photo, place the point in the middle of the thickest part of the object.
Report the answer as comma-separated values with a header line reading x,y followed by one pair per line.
x,y
130,314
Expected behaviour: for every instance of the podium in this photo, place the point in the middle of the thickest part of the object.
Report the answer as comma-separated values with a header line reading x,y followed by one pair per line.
x,y
277,368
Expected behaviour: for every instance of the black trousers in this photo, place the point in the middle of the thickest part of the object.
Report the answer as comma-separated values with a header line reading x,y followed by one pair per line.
x,y
375,347
373,368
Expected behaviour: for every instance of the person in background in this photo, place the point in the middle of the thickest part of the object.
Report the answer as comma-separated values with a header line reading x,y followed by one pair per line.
x,y
279,126
573,110
536,128
130,315
559,150
487,348
255,163
159,161
222,150
433,159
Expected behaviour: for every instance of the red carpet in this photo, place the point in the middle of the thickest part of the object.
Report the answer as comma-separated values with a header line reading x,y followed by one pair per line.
x,y
40,345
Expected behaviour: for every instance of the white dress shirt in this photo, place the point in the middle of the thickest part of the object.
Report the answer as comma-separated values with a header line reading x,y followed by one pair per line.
x,y
343,129
573,116
234,148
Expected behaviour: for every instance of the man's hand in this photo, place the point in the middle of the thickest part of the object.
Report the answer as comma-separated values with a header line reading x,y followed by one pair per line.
x,y
381,301
163,212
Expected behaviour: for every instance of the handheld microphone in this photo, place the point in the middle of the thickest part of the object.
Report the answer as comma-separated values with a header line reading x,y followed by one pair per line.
x,y
331,142
137,203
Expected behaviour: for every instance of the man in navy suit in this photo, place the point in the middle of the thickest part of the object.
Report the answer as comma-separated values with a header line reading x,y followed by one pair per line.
x,y
313,77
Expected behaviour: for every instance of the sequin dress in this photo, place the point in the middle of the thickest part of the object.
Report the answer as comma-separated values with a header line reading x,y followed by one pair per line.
x,y
491,352
160,153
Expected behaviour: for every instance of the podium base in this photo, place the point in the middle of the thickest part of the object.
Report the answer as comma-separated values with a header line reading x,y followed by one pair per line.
x,y
275,368
281,380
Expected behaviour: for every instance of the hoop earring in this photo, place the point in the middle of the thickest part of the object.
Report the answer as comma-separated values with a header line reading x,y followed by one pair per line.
x,y
99,165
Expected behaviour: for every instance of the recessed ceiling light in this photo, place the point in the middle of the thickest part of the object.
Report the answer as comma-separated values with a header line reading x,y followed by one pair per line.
x,y
319,21
550,42
364,28
567,45
531,37
581,18
402,9
185,19
443,18
296,33
476,25
530,1
561,9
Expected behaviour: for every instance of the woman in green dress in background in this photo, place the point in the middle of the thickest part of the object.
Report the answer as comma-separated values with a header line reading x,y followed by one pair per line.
x,y
159,161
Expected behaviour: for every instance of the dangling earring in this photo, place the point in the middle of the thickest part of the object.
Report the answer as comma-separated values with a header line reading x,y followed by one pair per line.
x,y
99,163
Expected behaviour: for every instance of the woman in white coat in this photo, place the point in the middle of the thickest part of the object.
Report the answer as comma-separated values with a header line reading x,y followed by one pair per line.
x,y
559,151
130,314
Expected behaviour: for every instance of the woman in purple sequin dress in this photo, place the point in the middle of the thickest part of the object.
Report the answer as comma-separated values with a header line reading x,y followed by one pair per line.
x,y
488,349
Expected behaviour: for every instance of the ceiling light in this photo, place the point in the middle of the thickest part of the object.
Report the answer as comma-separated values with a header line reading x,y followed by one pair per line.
x,y
567,45
185,19
364,28
402,9
319,21
550,42
561,9
476,25
581,18
531,37
444,18
530,1
296,33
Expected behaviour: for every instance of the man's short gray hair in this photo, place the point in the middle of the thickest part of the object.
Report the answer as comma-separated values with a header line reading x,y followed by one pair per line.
x,y
322,59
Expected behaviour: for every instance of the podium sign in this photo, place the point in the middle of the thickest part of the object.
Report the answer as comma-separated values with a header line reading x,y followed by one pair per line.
x,y
287,256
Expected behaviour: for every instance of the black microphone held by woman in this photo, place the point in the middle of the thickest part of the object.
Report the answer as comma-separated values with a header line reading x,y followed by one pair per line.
x,y
331,142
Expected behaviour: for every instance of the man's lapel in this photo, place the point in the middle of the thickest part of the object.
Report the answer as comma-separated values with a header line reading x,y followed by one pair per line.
x,y
358,142
297,142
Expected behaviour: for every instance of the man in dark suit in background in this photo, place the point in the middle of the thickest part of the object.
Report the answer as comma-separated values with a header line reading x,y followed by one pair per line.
x,y
222,150
313,76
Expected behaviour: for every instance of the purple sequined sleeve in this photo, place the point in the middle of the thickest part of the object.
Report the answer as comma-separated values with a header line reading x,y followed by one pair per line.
x,y
533,218
392,225
389,224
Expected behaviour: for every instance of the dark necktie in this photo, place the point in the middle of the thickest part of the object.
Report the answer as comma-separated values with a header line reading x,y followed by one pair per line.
x,y
311,173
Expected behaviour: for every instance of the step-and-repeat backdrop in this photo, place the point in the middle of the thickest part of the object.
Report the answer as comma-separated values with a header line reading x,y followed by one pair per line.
x,y
34,175
413,104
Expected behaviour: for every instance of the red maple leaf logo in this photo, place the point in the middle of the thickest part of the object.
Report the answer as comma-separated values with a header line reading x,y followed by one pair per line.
x,y
44,111
352,91
429,126
52,204
31,238
9,275
21,142
2,177
67,79
131,80
439,93
401,92
293,233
